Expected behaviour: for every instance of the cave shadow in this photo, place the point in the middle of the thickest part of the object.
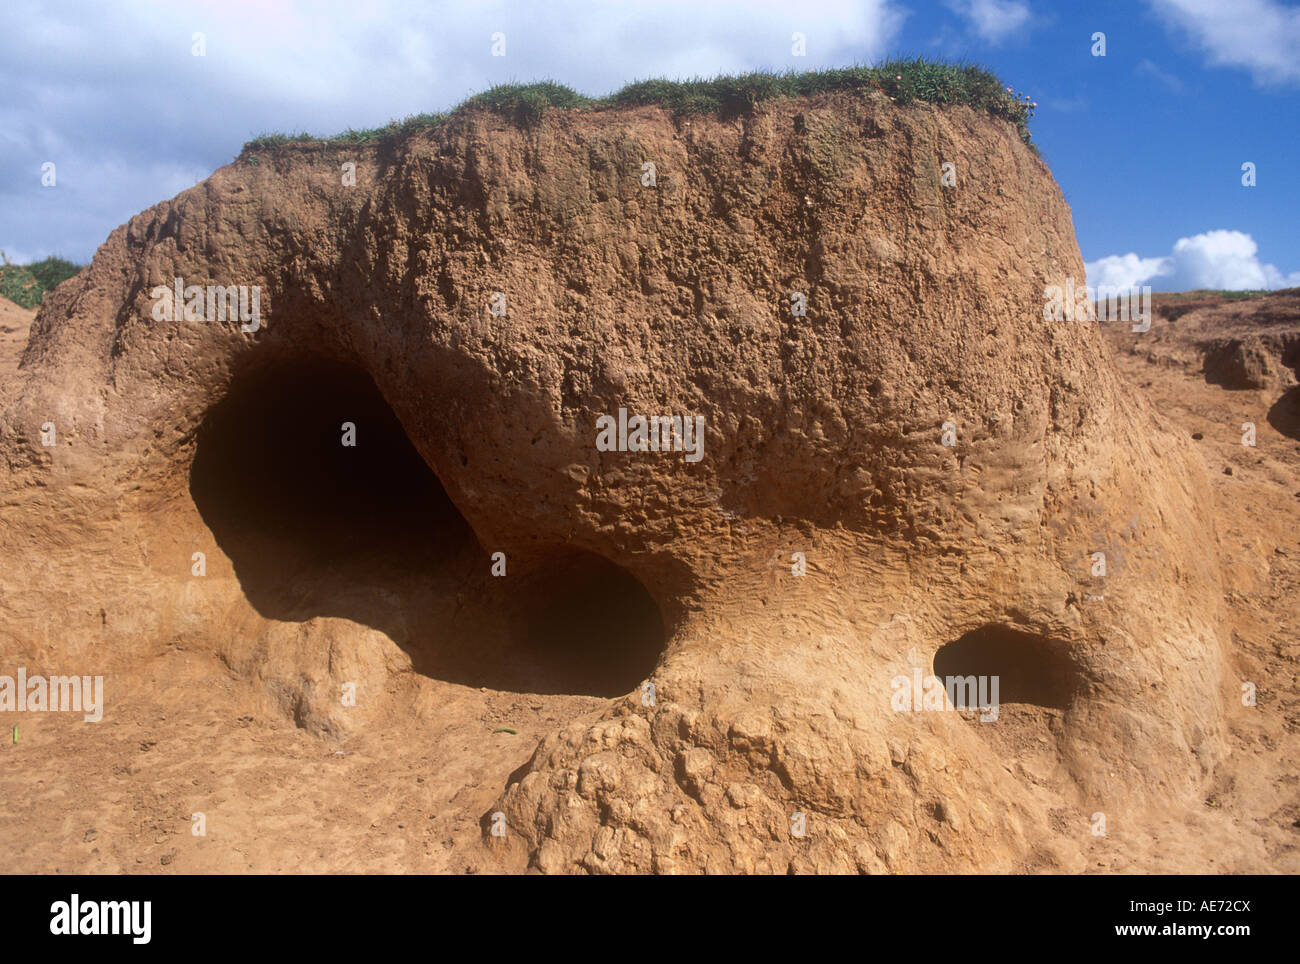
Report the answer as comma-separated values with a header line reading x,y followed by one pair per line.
x,y
1284,415
313,490
1030,669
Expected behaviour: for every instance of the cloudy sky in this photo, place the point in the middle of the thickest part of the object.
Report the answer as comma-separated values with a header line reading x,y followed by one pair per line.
x,y
1147,142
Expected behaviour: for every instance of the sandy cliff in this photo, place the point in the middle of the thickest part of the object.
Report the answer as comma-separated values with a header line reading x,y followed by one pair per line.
x,y
473,305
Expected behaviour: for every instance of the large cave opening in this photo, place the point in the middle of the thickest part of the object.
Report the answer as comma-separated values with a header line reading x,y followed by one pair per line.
x,y
308,461
312,488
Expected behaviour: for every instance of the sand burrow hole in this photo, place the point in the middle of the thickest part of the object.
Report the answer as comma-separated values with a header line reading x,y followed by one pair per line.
x,y
1030,668
1037,682
314,527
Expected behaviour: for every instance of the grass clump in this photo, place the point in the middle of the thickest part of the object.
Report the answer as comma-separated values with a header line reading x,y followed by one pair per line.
x,y
526,103
909,80
27,284
903,80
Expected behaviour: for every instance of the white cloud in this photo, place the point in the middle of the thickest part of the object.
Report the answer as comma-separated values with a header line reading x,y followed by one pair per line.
x,y
113,95
1262,36
993,20
1123,271
1216,259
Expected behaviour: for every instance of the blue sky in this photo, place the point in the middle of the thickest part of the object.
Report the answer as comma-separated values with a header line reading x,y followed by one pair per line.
x,y
1147,142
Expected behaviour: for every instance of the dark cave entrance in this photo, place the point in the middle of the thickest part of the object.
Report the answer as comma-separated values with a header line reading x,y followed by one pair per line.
x,y
1037,682
1030,669
270,467
366,531
1284,415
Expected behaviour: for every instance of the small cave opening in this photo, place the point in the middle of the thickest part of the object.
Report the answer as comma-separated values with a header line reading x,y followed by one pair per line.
x,y
1029,668
365,531
594,615
1284,415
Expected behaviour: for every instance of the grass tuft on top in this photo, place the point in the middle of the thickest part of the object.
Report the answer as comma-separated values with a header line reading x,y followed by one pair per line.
x,y
27,284
903,80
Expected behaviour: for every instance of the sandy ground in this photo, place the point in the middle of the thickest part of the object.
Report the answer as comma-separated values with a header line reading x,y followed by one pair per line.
x,y
185,736
1251,820
119,797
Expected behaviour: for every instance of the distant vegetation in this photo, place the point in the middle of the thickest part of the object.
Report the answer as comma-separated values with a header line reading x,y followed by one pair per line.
x,y
903,80
26,284
1221,292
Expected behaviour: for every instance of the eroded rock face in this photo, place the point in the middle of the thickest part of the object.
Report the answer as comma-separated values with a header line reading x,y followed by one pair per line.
x,y
775,699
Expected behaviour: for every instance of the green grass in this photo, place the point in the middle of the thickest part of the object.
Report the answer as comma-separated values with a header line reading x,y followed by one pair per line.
x,y
27,284
904,80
